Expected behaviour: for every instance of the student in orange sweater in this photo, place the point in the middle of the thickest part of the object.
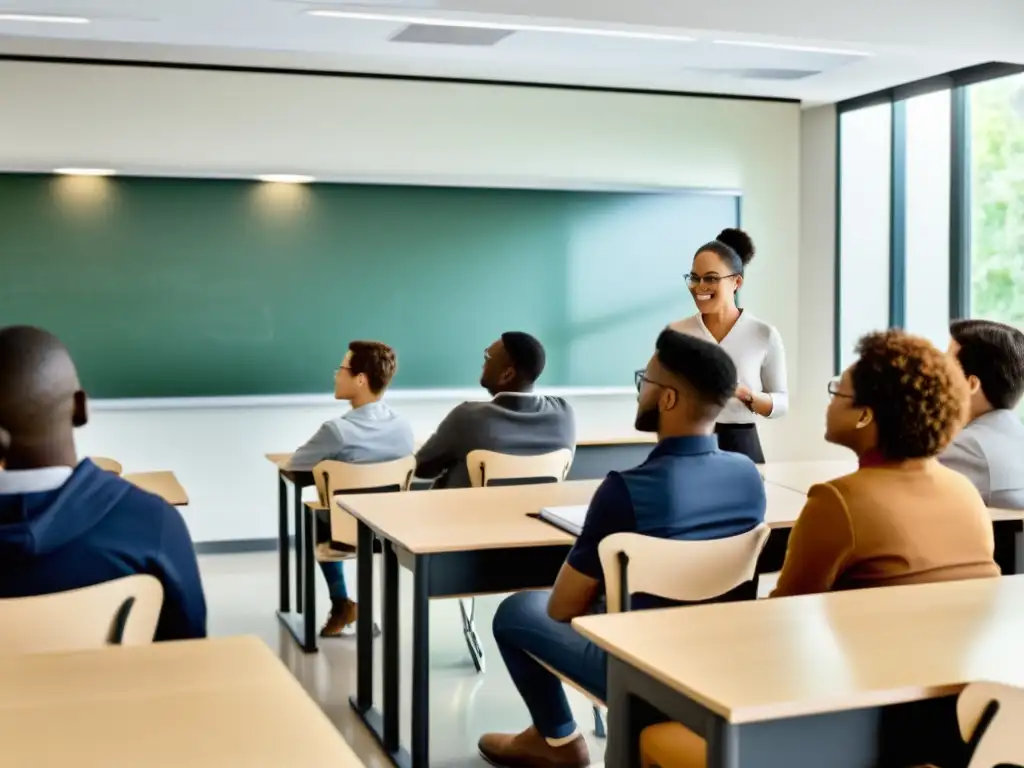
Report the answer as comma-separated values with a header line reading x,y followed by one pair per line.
x,y
901,518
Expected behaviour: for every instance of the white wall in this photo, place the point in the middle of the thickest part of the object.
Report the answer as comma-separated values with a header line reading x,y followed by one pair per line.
x,y
816,297
183,122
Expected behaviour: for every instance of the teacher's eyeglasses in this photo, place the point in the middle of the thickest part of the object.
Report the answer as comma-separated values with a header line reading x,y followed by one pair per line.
x,y
708,280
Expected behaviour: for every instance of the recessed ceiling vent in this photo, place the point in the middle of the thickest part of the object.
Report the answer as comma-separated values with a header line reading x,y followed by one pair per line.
x,y
438,34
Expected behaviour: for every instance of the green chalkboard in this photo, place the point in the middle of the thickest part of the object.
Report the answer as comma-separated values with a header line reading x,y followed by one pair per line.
x,y
187,287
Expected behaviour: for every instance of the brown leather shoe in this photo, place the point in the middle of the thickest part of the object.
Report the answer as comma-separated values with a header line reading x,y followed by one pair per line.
x,y
343,615
531,750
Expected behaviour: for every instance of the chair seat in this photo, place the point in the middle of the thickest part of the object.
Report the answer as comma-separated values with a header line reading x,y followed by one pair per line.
x,y
570,682
325,553
671,745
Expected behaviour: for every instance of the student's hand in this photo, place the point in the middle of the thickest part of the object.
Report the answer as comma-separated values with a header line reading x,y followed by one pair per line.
x,y
745,396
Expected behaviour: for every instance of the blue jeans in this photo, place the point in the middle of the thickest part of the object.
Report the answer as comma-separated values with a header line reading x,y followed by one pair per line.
x,y
522,628
334,575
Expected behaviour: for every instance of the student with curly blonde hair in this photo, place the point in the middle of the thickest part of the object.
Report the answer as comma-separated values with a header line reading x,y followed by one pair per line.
x,y
901,518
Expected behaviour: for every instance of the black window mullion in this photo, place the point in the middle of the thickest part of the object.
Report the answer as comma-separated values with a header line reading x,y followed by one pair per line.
x,y
960,206
898,217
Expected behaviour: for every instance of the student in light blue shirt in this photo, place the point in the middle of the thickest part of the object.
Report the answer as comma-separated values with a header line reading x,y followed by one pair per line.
x,y
370,433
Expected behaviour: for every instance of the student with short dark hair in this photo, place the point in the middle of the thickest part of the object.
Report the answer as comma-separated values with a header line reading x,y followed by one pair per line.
x,y
369,433
989,451
686,489
901,518
516,421
66,524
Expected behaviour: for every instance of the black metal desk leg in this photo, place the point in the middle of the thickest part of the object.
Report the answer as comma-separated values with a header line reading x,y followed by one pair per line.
x,y
723,744
364,624
308,561
297,500
1006,535
421,663
628,715
284,588
391,660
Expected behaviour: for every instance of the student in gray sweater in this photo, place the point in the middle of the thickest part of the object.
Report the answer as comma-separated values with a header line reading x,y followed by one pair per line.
x,y
370,433
516,421
989,450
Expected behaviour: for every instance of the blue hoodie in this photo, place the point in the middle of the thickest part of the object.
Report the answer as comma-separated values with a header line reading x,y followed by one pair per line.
x,y
95,528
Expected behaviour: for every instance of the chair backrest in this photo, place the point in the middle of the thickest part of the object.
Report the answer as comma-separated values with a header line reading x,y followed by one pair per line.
x,y
110,465
120,612
684,571
487,468
990,715
334,477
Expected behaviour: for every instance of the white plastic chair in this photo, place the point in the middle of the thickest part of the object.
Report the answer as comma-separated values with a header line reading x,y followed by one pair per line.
x,y
333,478
990,715
683,571
124,611
491,469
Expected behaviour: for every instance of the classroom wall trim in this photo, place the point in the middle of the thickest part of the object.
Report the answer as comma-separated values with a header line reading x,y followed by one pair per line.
x,y
85,61
291,401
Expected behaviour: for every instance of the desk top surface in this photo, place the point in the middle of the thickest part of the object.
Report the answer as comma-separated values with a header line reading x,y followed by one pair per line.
x,y
200,703
492,518
163,484
777,658
467,519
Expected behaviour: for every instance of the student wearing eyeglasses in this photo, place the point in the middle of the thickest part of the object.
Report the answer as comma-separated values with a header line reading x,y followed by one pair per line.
x,y
754,346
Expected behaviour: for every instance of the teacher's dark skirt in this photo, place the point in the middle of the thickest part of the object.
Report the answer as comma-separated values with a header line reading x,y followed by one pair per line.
x,y
740,438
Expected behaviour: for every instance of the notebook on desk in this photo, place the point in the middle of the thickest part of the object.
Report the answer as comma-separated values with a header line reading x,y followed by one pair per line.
x,y
569,519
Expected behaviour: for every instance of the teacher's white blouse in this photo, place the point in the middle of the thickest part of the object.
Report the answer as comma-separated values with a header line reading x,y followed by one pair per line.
x,y
756,349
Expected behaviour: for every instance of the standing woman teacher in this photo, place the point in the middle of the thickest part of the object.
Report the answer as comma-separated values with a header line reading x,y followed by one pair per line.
x,y
754,345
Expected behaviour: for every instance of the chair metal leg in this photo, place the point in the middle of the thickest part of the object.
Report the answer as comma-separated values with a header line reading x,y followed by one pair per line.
x,y
599,729
476,650
307,535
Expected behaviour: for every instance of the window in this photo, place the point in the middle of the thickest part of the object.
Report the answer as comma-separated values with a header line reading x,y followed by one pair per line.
x,y
865,161
997,199
926,215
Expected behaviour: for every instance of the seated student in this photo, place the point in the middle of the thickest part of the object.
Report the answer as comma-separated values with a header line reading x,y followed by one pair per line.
x,y
902,518
516,421
990,449
369,433
686,489
65,524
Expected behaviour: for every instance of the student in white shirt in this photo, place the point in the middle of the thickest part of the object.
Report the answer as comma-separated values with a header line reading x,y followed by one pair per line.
x,y
754,345
369,433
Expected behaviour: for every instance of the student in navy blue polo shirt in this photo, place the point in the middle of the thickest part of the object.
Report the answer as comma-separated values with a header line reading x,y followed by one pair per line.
x,y
686,489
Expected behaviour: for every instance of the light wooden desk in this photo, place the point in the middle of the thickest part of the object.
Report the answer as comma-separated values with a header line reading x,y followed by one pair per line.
x,y
163,484
801,475
847,680
203,704
456,542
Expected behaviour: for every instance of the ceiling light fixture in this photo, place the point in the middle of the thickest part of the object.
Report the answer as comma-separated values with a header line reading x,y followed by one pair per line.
x,y
85,171
788,47
285,178
38,18
510,25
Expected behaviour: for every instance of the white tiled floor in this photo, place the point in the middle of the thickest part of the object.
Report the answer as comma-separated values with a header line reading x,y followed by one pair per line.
x,y
241,592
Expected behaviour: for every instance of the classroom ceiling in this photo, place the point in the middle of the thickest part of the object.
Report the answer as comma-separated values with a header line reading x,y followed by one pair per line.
x,y
829,50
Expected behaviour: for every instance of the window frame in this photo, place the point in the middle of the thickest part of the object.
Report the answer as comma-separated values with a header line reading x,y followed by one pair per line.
x,y
957,82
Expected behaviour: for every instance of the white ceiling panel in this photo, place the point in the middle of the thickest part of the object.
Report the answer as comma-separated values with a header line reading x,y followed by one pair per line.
x,y
610,43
